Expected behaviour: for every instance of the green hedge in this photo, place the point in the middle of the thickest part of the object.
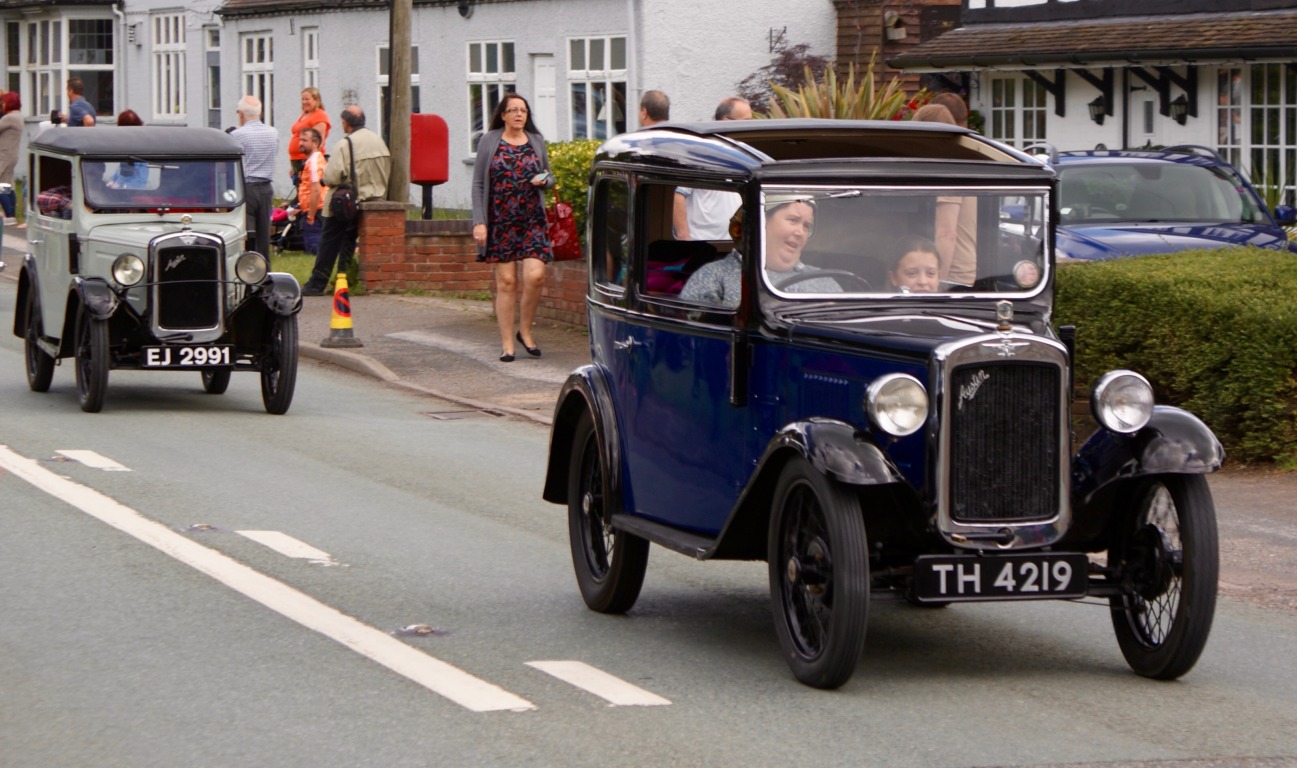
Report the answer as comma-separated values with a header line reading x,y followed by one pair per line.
x,y
1215,332
570,163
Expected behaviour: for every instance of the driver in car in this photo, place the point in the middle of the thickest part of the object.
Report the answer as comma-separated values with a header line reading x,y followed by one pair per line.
x,y
790,220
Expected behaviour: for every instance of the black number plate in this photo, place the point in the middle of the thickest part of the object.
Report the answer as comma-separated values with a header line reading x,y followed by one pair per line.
x,y
1034,576
187,357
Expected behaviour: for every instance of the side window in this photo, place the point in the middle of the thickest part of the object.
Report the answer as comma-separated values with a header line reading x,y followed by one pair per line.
x,y
672,258
53,187
611,232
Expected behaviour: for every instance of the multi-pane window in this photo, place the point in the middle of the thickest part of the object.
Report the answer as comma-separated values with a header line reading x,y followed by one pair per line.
x,y
45,78
213,51
90,57
1018,111
311,57
13,56
1229,113
169,66
258,62
491,74
384,88
596,73
1273,121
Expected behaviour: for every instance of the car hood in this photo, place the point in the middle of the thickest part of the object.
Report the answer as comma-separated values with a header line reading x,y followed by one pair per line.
x,y
1120,240
139,233
910,334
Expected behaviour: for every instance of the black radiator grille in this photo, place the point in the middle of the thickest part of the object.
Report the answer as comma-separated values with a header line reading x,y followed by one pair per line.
x,y
188,287
1004,439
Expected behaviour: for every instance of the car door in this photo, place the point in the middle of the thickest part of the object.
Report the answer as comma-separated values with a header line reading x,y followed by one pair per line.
x,y
50,234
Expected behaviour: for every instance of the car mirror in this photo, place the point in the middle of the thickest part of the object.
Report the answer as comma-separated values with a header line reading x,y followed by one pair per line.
x,y
1286,215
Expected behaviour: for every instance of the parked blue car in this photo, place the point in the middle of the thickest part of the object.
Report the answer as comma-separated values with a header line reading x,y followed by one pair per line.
x,y
1117,203
858,382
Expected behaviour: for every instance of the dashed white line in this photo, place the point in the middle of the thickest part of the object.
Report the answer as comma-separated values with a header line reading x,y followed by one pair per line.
x,y
289,547
612,689
434,674
93,460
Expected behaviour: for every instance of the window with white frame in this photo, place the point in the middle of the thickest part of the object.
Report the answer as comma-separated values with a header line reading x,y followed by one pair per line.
x,y
258,63
596,73
311,57
13,56
169,66
1018,111
1273,118
385,91
45,49
1229,113
212,48
491,74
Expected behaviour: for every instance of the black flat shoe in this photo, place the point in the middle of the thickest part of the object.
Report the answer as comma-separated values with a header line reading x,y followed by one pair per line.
x,y
533,351
506,358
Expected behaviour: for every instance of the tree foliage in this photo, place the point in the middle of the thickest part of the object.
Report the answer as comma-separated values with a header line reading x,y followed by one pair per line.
x,y
786,69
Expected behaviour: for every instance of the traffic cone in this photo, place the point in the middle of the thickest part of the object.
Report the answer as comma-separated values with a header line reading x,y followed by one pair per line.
x,y
340,334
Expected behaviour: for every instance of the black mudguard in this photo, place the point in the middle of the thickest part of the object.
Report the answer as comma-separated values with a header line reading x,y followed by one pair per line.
x,y
282,294
586,389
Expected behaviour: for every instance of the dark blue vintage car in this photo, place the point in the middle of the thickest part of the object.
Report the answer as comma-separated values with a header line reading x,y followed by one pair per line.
x,y
828,345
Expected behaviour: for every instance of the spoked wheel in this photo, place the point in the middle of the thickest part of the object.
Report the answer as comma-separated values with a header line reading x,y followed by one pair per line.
x,y
609,563
1168,561
40,366
819,575
216,380
92,361
279,365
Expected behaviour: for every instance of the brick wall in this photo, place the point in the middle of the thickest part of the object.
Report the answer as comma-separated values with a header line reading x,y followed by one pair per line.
x,y
439,255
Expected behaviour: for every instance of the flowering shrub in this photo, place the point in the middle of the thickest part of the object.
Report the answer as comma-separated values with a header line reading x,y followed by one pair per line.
x,y
570,162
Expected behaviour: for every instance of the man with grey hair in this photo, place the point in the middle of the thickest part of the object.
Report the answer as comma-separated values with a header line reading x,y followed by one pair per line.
x,y
654,108
260,148
363,162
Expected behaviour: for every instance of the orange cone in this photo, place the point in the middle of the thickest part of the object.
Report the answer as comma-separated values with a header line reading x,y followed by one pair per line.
x,y
340,333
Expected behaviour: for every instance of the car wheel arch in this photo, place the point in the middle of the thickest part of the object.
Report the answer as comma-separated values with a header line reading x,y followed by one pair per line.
x,y
586,389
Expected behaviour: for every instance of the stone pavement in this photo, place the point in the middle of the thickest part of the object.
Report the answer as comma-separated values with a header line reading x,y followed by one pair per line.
x,y
449,348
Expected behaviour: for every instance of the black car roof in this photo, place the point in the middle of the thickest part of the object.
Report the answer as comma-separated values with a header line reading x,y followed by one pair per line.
x,y
743,146
152,141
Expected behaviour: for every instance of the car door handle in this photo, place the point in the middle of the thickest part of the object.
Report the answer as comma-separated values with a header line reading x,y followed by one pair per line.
x,y
629,343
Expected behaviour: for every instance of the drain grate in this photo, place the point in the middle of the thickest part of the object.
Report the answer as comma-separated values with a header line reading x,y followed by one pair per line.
x,y
457,415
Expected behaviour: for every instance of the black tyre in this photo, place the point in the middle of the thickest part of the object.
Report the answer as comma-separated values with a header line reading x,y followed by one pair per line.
x,y
216,380
1168,559
40,365
92,361
819,575
279,365
609,563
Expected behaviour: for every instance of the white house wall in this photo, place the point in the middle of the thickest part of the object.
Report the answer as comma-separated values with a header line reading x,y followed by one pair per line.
x,y
697,52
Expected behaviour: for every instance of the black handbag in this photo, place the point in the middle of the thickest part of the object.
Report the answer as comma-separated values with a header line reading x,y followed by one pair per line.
x,y
344,204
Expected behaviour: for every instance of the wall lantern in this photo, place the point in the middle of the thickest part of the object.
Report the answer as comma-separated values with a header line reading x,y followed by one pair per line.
x,y
1180,109
1098,108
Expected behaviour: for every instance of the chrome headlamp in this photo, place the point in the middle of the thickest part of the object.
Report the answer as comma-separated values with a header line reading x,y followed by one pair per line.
x,y
128,269
251,267
1122,401
897,404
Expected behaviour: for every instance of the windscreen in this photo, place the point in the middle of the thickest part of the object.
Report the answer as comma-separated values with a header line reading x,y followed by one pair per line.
x,y
902,243
138,183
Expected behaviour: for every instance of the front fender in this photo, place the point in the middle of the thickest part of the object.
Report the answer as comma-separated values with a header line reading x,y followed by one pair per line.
x,y
586,389
836,449
96,296
26,286
1174,442
282,294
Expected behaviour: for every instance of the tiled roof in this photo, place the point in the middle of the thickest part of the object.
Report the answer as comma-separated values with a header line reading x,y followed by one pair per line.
x,y
233,8
1174,38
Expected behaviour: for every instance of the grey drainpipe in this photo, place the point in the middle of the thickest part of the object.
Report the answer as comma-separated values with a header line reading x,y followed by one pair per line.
x,y
120,53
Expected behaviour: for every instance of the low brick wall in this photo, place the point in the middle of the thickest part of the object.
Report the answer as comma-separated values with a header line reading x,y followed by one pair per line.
x,y
397,254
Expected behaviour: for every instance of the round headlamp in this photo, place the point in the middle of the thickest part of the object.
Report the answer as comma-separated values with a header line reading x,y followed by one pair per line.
x,y
1122,401
251,267
128,269
897,404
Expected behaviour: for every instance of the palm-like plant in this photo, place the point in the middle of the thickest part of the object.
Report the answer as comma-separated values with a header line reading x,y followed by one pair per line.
x,y
843,100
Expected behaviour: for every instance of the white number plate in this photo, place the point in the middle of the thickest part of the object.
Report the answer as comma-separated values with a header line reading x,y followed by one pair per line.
x,y
186,357
950,578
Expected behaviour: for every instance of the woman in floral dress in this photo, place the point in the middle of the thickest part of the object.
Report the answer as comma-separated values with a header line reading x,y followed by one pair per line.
x,y
509,182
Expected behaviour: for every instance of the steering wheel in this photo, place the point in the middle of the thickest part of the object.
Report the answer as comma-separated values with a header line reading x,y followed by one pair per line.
x,y
837,274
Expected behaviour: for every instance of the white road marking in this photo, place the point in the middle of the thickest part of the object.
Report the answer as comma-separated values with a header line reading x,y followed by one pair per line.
x,y
432,673
614,690
93,460
289,547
